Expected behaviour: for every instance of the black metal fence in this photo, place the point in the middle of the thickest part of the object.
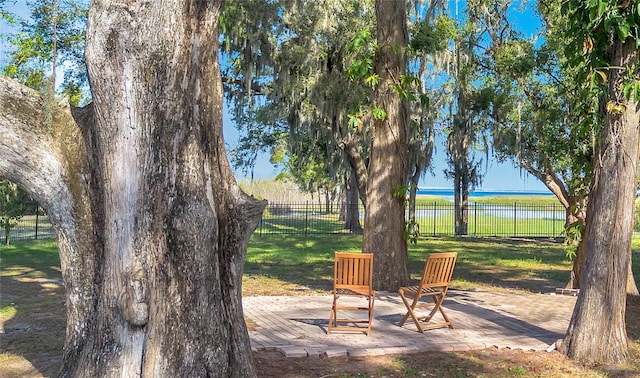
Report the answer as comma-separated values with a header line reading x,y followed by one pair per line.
x,y
34,224
435,218
313,219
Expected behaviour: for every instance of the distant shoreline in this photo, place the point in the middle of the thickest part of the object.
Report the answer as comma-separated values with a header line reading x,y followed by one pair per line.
x,y
442,192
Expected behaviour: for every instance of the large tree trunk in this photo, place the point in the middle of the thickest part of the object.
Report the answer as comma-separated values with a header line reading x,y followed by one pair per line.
x,y
384,216
579,263
597,330
152,227
352,221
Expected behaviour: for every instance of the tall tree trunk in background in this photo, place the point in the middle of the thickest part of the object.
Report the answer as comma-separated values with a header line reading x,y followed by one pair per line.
x,y
597,330
353,209
461,195
384,216
458,145
358,167
151,225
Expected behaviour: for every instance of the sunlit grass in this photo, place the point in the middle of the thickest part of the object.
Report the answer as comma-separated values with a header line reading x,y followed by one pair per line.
x,y
30,258
7,312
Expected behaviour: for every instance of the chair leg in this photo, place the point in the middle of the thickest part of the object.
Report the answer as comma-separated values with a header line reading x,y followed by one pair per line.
x,y
332,316
436,305
444,314
406,316
438,299
410,312
372,299
335,322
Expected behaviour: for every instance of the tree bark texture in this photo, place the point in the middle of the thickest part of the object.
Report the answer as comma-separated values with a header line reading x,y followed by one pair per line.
x,y
46,157
358,167
579,263
352,221
384,216
597,330
153,275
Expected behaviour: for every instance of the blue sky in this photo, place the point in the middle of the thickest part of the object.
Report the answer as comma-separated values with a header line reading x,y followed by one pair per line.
x,y
497,176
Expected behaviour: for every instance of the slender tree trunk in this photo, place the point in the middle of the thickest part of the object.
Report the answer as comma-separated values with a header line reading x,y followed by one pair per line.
x,y
344,195
151,226
358,167
384,217
353,212
597,330
461,195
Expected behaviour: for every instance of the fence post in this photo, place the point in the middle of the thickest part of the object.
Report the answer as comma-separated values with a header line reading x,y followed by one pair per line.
x,y
475,219
37,218
435,218
515,218
554,220
306,219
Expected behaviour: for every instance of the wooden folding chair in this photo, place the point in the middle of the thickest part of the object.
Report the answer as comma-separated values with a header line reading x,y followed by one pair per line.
x,y
436,277
352,277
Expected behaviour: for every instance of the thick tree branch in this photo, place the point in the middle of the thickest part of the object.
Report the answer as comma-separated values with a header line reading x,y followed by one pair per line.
x,y
27,145
45,155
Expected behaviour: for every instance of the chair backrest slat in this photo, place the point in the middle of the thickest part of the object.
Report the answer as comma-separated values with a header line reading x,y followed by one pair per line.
x,y
438,269
353,270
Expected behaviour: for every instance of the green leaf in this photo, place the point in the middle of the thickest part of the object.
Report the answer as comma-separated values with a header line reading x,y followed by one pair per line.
x,y
623,31
425,101
379,114
372,80
602,7
626,90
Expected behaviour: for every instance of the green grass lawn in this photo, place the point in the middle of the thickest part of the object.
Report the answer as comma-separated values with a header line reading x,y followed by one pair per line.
x,y
280,265
35,259
274,265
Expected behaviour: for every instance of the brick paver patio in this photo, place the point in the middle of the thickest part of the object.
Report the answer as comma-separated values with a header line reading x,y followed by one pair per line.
x,y
296,325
